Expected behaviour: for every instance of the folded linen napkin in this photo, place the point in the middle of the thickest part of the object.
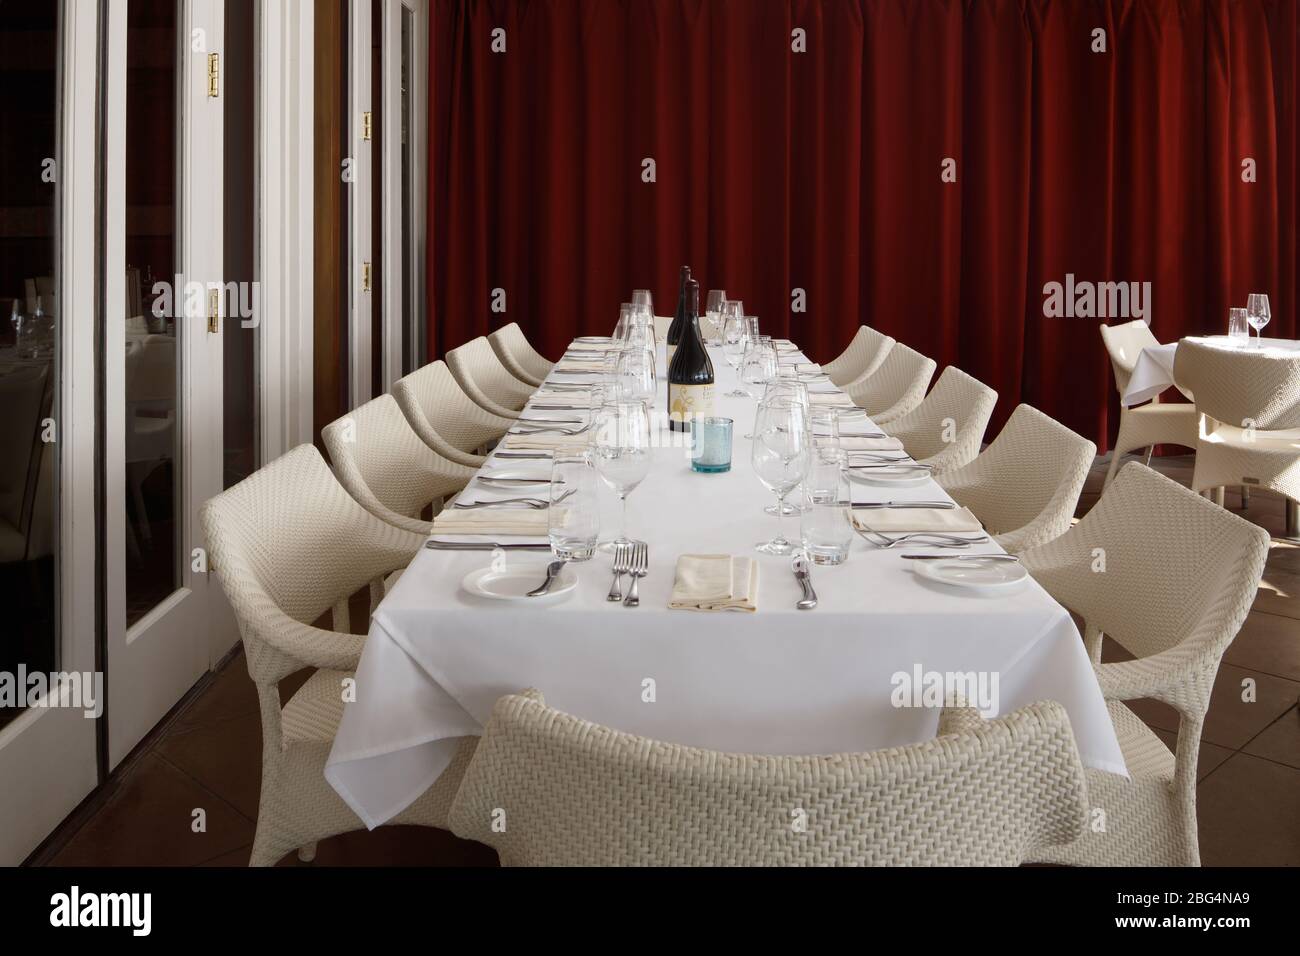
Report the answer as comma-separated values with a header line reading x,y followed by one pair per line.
x,y
531,523
892,520
544,442
715,582
852,443
831,398
579,365
592,346
563,396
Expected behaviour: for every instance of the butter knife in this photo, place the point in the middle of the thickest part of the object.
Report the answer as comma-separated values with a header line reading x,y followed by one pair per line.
x,y
434,544
959,557
870,505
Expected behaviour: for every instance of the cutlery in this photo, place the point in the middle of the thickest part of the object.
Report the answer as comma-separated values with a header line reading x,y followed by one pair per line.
x,y
434,545
867,505
621,555
553,421
639,565
803,575
873,456
552,572
530,502
512,482
948,540
960,557
576,371
558,408
899,463
854,454
535,455
551,431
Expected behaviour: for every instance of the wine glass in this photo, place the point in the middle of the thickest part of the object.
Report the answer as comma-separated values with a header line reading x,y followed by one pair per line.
x,y
788,389
621,447
634,376
758,365
624,322
713,316
1257,314
780,457
642,300
734,340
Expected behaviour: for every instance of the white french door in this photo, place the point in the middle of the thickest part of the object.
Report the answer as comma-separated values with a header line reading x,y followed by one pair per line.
x,y
163,353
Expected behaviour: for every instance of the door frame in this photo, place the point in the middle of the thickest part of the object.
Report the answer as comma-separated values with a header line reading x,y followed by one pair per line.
x,y
35,800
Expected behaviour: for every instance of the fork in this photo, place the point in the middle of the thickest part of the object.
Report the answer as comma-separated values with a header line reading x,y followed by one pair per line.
x,y
940,539
621,554
540,431
538,503
640,563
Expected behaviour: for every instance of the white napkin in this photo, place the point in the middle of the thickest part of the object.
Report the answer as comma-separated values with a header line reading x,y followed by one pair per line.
x,y
544,442
851,443
561,396
831,398
530,523
579,365
715,582
891,520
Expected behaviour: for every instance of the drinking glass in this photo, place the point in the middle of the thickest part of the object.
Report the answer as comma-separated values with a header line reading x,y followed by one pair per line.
x,y
751,325
824,420
780,458
635,376
1257,314
643,301
573,519
784,389
621,445
758,365
624,322
713,317
734,340
1238,327
826,529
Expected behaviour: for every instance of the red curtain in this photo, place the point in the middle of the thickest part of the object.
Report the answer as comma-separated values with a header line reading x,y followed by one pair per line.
x,y
821,170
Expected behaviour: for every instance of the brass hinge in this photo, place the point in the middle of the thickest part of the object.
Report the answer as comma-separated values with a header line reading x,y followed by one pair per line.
x,y
214,310
365,125
214,75
365,277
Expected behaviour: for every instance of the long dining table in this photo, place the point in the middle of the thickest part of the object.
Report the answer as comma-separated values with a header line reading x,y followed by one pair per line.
x,y
776,681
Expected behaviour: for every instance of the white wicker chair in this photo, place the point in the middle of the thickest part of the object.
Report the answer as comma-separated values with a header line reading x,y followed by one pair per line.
x,y
484,379
862,357
896,387
449,421
387,467
576,793
1250,434
1154,423
288,543
1025,485
945,431
518,355
1170,577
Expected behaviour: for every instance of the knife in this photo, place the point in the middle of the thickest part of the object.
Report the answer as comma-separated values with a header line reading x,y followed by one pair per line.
x,y
863,505
959,557
435,545
523,454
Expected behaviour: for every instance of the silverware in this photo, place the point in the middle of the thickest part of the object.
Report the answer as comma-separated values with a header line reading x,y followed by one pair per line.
x,y
901,463
434,545
854,454
550,431
538,503
511,482
638,567
803,574
959,557
869,505
575,371
553,421
947,540
535,455
873,456
552,572
559,408
621,555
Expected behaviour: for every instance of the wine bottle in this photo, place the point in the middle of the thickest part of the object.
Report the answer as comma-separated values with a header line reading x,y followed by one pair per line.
x,y
690,374
679,317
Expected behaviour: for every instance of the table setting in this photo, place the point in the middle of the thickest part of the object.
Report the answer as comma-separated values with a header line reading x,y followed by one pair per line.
x,y
748,594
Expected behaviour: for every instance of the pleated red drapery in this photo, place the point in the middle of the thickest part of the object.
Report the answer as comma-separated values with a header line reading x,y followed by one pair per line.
x,y
821,170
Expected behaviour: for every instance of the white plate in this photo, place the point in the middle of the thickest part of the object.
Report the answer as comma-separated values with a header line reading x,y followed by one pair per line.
x,y
980,577
893,476
515,581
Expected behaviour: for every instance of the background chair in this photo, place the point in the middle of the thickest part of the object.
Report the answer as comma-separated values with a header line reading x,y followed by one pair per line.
x,y
896,387
945,431
862,357
518,356
1025,485
1170,578
1250,435
484,379
449,421
387,467
1144,426
288,543
990,795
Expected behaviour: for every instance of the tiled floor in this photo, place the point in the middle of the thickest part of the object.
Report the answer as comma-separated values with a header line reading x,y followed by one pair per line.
x,y
208,757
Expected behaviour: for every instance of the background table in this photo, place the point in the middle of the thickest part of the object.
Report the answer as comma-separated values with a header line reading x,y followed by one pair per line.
x,y
1154,370
777,681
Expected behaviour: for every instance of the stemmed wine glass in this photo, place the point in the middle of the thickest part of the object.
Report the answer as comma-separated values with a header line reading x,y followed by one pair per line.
x,y
634,376
759,363
780,457
713,316
621,447
1258,314
735,338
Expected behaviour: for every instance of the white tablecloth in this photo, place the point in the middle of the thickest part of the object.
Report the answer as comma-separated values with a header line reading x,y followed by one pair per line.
x,y
777,681
1154,370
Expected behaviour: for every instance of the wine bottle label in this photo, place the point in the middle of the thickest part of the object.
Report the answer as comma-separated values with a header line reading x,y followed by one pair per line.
x,y
687,402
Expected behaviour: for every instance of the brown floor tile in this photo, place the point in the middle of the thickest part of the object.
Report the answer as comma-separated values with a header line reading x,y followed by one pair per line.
x,y
232,694
1247,814
1209,758
1269,643
225,757
148,823
1284,555
1280,740
1231,721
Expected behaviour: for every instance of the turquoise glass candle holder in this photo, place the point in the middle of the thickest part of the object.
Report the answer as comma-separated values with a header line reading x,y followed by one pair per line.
x,y
711,445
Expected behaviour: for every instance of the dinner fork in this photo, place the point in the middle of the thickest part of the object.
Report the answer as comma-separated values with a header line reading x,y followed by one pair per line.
x,y
621,554
938,538
541,431
537,503
638,567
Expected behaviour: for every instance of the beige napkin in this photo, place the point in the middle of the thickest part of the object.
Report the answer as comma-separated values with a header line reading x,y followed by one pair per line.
x,y
831,398
559,396
715,582
858,443
530,522
892,520
591,346
544,442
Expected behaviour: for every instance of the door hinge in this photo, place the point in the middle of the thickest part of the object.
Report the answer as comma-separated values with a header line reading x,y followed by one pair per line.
x,y
214,310
365,125
214,74
365,277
